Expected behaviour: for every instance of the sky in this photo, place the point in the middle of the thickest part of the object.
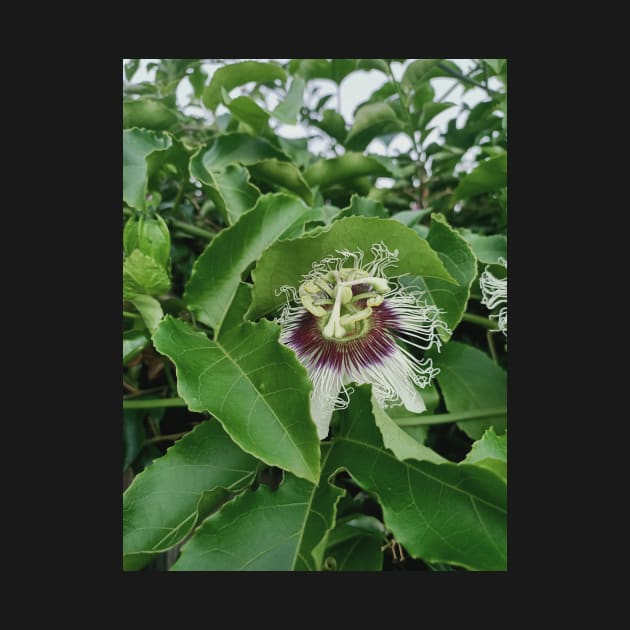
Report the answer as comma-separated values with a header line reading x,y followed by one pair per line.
x,y
354,89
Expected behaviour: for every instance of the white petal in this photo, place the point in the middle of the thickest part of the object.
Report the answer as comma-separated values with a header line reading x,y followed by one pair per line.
x,y
394,379
324,398
321,413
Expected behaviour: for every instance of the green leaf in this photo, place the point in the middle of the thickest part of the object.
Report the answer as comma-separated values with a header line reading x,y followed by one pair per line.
x,y
236,147
288,109
325,173
373,64
488,249
430,111
197,80
166,500
416,71
134,435
131,68
372,120
235,74
410,217
236,313
496,65
400,443
490,452
264,160
252,384
423,93
470,380
142,275
137,145
489,176
148,113
333,124
311,68
459,261
341,68
364,207
322,215
265,530
150,309
217,272
355,544
285,262
439,512
283,174
247,110
133,343
229,188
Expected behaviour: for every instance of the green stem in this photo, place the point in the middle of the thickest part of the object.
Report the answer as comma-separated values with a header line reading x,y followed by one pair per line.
x,y
192,229
183,226
410,132
154,403
178,197
458,416
441,99
481,321
131,315
169,376
490,341
167,437
463,77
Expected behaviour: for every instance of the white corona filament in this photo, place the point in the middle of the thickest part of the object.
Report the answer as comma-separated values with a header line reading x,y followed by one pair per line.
x,y
494,291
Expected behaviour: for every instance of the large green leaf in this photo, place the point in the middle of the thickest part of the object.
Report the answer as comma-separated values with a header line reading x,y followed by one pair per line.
x,y
490,452
265,530
236,313
470,380
326,173
246,109
285,262
454,513
138,144
398,441
165,500
488,249
229,188
142,275
459,261
287,110
252,384
235,74
364,207
282,174
148,113
217,272
264,161
489,176
236,147
372,120
355,544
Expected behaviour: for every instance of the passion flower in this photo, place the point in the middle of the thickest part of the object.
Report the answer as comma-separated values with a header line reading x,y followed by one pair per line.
x,y
349,323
